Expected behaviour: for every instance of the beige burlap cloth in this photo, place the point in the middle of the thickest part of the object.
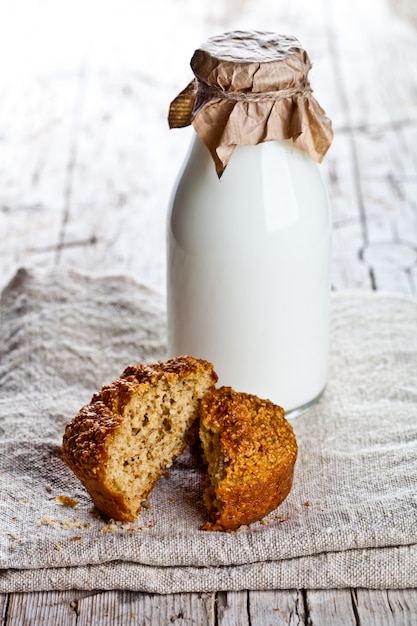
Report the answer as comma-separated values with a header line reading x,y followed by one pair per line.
x,y
350,520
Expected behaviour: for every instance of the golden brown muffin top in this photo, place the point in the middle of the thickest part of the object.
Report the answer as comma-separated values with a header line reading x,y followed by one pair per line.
x,y
250,450
248,426
88,434
116,395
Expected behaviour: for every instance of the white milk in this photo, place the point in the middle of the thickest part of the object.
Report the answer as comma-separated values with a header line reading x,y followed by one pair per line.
x,y
248,271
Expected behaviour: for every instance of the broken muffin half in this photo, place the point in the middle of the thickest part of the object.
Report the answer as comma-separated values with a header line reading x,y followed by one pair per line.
x,y
250,452
133,429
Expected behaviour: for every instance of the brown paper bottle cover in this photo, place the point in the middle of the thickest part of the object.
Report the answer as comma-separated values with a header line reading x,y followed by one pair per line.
x,y
251,87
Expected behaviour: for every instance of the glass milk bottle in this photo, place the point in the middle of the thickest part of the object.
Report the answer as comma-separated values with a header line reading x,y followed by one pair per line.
x,y
249,226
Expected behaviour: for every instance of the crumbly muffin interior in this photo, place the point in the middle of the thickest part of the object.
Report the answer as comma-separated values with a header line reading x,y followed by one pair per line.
x,y
151,436
216,466
133,429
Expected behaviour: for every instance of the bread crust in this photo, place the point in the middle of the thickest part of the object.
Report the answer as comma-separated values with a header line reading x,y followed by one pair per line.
x,y
88,438
250,450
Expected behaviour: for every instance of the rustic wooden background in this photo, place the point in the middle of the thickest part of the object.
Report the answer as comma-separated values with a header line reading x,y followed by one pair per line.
x,y
87,165
87,161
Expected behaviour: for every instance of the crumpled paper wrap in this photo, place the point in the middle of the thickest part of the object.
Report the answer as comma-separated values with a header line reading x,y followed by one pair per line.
x,y
349,521
251,87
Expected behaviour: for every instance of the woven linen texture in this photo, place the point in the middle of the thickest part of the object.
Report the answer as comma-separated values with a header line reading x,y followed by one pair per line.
x,y
349,521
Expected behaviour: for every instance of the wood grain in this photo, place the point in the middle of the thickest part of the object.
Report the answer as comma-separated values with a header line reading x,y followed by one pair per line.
x,y
121,608
41,608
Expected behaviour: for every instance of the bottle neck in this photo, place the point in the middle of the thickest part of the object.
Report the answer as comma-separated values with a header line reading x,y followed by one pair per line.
x,y
199,151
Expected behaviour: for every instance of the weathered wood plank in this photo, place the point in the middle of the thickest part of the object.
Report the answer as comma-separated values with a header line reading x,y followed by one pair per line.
x,y
368,35
122,180
232,608
41,608
367,607
36,129
349,223
106,211
390,251
375,151
122,608
348,270
333,607
387,608
276,608
4,602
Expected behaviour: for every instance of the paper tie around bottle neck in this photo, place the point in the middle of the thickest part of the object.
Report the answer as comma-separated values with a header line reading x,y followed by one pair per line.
x,y
238,101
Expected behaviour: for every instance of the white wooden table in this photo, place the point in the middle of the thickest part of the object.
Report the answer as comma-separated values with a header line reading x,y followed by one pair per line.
x,y
87,164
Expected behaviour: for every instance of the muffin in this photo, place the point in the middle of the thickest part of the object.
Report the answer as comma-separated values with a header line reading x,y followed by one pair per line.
x,y
123,441
250,452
